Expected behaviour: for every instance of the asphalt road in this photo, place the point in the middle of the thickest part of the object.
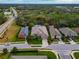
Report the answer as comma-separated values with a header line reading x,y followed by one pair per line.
x,y
64,46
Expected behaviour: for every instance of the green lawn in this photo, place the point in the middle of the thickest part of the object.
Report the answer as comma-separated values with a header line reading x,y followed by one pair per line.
x,y
34,41
4,56
13,32
11,35
49,54
29,52
76,55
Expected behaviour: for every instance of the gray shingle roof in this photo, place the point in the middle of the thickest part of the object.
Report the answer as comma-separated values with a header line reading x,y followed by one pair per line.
x,y
40,31
28,57
68,32
54,32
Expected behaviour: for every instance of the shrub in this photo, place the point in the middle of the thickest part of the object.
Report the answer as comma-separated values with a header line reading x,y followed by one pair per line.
x,y
14,50
5,51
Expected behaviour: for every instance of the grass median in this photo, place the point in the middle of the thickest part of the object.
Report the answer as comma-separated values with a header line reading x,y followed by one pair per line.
x,y
49,54
76,55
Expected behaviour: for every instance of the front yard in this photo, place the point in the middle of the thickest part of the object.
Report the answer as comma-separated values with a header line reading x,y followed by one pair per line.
x,y
34,40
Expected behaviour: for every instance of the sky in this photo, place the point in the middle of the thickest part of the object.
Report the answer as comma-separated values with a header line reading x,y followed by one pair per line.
x,y
41,1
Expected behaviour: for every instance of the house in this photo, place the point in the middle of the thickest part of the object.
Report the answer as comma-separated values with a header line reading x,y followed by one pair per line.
x,y
68,32
54,32
23,33
39,31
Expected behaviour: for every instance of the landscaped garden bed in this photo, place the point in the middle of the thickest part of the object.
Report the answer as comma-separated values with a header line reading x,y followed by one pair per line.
x,y
66,40
50,41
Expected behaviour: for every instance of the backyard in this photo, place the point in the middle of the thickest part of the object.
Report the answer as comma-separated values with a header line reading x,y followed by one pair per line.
x,y
11,35
14,29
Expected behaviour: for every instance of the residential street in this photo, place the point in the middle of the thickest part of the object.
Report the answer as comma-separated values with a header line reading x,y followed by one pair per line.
x,y
63,56
64,50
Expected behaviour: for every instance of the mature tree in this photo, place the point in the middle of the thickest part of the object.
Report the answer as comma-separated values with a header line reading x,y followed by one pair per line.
x,y
5,51
2,18
14,50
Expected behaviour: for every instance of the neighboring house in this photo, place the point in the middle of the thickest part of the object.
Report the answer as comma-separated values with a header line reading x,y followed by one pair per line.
x,y
23,33
40,31
54,32
68,32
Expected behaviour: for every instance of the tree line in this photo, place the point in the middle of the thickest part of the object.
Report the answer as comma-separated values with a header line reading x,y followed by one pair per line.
x,y
48,16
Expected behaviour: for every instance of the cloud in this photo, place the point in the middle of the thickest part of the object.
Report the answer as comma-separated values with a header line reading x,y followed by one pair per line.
x,y
67,1
40,1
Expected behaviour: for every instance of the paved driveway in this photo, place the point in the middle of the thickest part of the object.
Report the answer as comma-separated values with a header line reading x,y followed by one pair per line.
x,y
44,42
